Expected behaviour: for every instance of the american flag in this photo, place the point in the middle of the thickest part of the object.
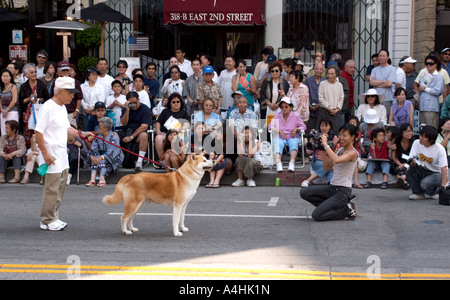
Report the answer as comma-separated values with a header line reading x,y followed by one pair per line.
x,y
137,43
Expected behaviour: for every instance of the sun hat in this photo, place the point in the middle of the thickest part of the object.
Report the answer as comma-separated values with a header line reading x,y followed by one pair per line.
x,y
66,83
371,116
371,92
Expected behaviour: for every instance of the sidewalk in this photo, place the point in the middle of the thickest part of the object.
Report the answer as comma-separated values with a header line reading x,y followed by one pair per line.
x,y
267,177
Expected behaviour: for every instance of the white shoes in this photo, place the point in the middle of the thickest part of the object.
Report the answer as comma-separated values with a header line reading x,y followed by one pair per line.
x,y
69,178
423,196
57,225
291,167
238,182
251,183
279,167
305,183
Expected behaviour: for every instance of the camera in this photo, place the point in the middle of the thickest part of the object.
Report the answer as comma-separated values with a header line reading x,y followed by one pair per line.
x,y
316,144
408,162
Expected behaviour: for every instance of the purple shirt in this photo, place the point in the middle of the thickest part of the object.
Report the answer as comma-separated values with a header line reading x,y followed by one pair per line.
x,y
293,121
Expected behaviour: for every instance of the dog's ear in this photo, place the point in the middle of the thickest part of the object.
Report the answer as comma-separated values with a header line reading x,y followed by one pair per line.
x,y
193,156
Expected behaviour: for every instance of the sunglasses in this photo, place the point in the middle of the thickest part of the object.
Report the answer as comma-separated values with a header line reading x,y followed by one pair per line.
x,y
446,53
274,71
429,63
174,72
41,56
174,102
121,67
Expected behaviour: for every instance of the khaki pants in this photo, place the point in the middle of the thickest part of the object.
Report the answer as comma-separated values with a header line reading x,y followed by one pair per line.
x,y
52,195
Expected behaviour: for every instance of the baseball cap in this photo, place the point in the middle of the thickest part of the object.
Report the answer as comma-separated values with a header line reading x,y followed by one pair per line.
x,y
66,83
91,70
445,49
208,69
237,93
271,58
286,100
99,104
63,65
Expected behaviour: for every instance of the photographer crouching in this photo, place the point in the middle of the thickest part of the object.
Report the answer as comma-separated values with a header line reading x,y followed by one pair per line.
x,y
333,201
428,171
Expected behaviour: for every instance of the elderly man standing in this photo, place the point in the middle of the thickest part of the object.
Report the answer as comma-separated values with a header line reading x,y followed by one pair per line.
x,y
51,135
209,89
347,73
313,83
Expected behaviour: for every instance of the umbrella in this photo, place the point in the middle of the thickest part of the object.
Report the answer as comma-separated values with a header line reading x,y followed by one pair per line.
x,y
64,25
11,15
103,14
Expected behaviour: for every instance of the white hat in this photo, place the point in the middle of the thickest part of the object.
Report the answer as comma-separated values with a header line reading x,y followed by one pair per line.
x,y
371,116
66,83
409,60
299,62
286,100
371,92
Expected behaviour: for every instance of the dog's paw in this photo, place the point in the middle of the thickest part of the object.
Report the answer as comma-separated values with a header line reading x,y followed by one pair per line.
x,y
127,232
184,229
177,234
134,229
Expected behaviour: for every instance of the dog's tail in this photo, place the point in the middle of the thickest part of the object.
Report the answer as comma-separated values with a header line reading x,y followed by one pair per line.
x,y
117,196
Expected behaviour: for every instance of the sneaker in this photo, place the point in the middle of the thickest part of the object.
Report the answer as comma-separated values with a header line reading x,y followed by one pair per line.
x,y
305,183
251,183
279,167
238,182
62,223
138,167
352,213
53,226
291,167
416,197
69,178
435,196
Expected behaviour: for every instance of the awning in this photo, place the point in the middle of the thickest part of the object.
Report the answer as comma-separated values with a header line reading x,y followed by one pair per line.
x,y
215,12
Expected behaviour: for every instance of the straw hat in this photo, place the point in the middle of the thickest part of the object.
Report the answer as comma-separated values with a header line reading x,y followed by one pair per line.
x,y
371,92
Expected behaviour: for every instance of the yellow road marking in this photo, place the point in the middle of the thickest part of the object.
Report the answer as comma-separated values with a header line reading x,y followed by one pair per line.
x,y
208,272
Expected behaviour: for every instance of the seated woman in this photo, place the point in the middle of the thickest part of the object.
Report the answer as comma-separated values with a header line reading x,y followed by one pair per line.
x,y
207,116
332,201
105,158
248,161
12,149
32,159
403,143
371,100
286,125
174,151
218,157
174,109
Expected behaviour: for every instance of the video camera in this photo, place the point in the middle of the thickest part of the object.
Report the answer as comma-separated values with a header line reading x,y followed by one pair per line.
x,y
407,164
316,144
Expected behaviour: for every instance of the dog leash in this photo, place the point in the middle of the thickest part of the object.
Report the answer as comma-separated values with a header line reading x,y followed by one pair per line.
x,y
131,152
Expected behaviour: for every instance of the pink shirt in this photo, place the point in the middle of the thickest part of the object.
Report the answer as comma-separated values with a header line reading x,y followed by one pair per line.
x,y
293,121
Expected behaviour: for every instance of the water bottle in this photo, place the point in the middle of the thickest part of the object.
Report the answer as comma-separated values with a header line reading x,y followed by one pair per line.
x,y
277,181
42,170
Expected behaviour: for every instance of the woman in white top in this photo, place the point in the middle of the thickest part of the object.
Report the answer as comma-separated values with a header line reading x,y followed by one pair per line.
x,y
333,201
93,92
331,97
174,84
371,99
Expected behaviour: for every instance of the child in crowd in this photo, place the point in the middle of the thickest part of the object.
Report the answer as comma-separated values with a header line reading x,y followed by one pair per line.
x,y
32,159
371,122
116,102
391,134
379,157
100,112
174,154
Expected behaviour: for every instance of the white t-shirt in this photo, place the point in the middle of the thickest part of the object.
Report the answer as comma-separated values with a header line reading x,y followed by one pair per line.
x,y
144,98
53,124
172,86
434,157
116,109
401,78
186,67
225,82
106,83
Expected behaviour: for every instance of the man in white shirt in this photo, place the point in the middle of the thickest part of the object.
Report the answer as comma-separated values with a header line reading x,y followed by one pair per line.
x,y
104,79
428,172
225,81
183,63
41,59
406,65
51,135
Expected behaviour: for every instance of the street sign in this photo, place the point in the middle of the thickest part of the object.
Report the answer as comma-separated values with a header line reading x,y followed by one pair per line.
x,y
18,51
17,37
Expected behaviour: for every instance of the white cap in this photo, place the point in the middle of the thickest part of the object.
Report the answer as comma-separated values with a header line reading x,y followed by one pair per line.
x,y
66,83
409,60
286,100
371,116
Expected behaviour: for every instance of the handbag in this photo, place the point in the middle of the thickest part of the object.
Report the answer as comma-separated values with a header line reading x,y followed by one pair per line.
x,y
32,121
444,196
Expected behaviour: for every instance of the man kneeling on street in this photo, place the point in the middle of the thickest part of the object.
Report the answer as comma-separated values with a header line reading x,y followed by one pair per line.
x,y
428,172
135,119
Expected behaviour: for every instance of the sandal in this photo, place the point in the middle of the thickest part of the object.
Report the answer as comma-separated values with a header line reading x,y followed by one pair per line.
x,y
406,186
215,186
101,184
384,185
90,183
358,186
209,185
368,185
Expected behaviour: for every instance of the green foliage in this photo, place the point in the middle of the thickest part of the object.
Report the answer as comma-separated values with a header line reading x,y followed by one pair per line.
x,y
89,38
85,62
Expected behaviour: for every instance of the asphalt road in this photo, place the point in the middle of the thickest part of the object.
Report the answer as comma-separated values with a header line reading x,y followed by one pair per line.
x,y
234,233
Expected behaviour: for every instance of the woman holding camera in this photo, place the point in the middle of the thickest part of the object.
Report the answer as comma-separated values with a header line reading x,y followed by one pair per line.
x,y
333,201
403,143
